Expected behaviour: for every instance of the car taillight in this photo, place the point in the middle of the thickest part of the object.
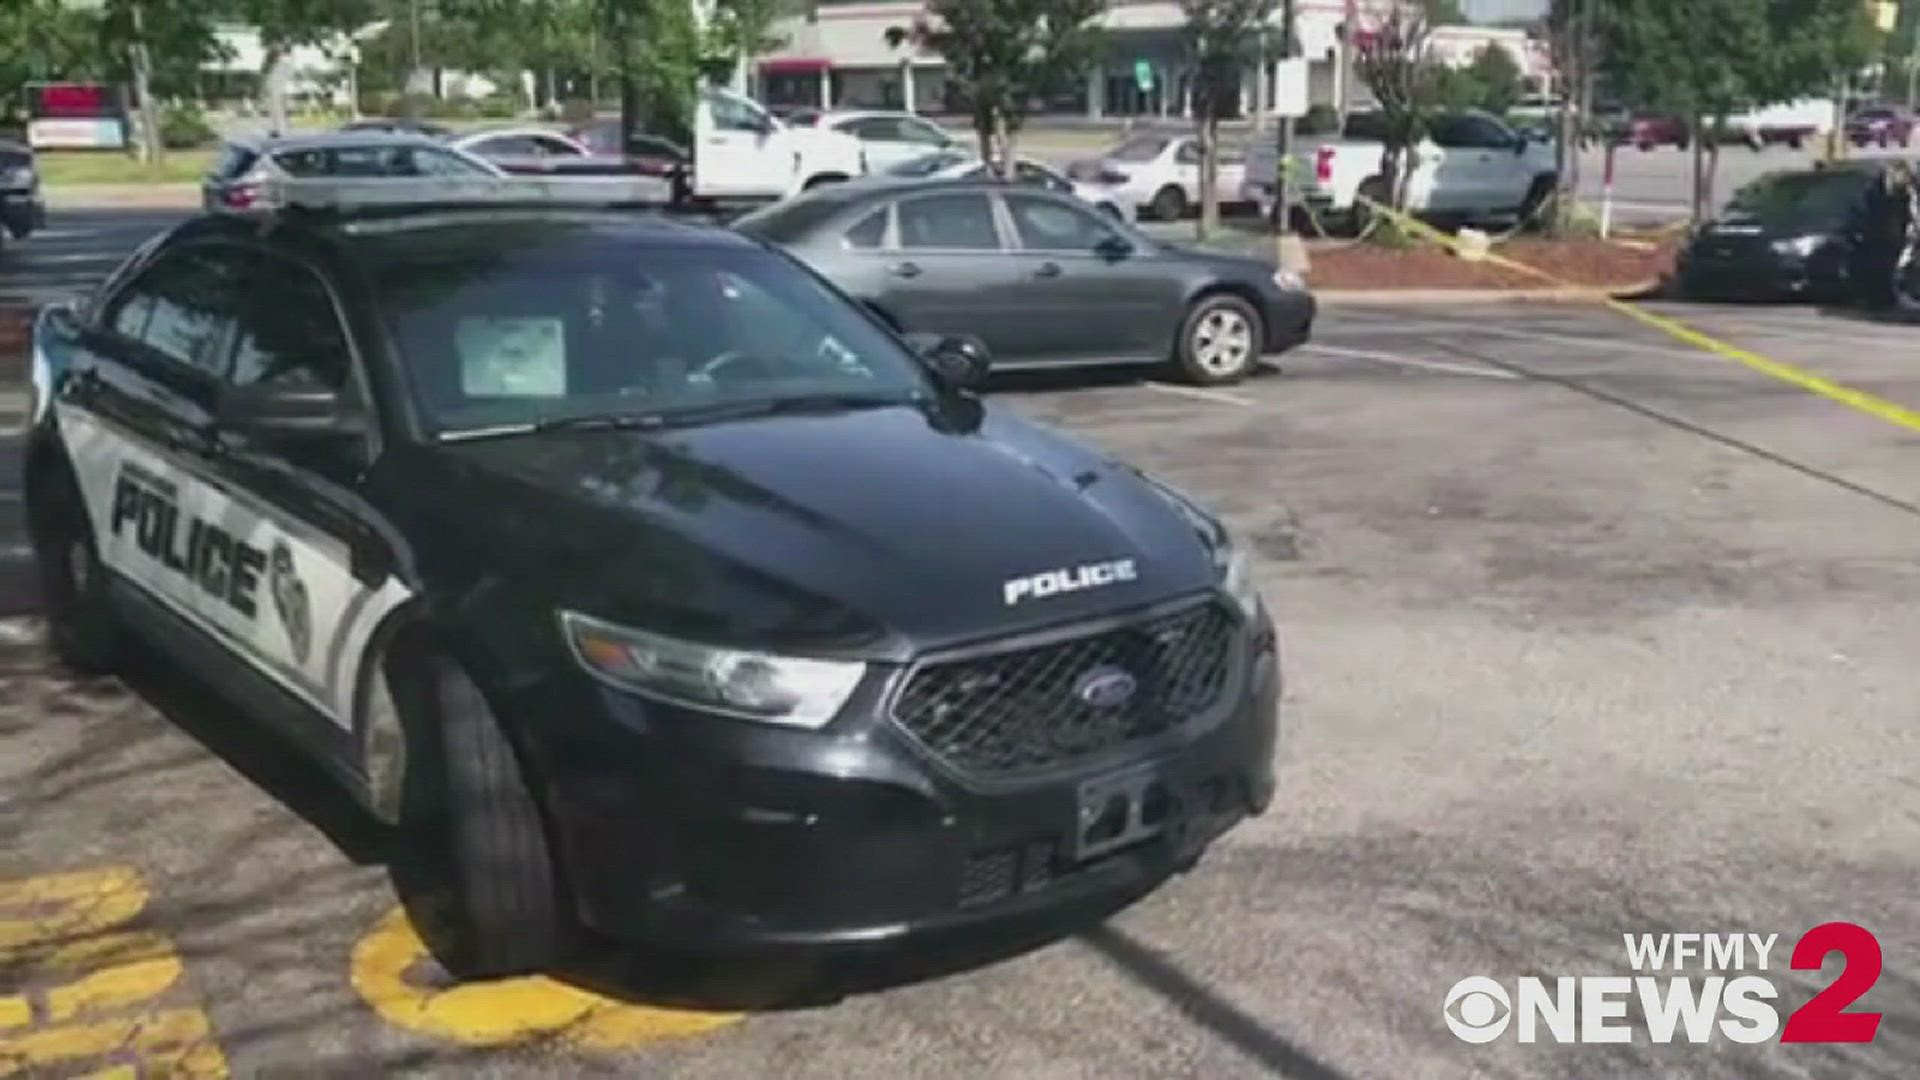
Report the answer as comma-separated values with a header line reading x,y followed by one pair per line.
x,y
1323,165
239,198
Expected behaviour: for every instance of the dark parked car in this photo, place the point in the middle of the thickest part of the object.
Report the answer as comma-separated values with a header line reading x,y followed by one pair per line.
x,y
1790,235
22,209
1881,125
639,580
1041,277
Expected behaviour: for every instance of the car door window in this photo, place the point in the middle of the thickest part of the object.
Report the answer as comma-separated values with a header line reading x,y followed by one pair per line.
x,y
291,333
182,309
1486,133
1026,172
505,146
871,231
1051,225
961,221
1449,132
425,161
732,114
1188,154
919,131
552,147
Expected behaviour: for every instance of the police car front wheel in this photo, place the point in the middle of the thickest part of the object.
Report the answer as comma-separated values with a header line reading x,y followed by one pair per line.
x,y
494,903
73,587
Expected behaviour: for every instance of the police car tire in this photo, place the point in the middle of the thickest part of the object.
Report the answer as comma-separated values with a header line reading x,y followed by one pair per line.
x,y
81,627
472,794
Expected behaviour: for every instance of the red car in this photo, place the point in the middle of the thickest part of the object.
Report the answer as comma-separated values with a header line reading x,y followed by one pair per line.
x,y
1647,129
1880,125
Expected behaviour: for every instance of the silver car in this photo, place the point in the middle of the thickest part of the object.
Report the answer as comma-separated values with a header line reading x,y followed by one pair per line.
x,y
241,176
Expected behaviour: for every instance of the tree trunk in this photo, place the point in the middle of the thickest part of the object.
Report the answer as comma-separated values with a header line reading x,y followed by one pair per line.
x,y
1209,221
1002,145
983,121
1711,180
1699,168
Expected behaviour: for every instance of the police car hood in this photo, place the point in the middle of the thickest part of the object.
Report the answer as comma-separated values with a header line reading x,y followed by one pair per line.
x,y
868,532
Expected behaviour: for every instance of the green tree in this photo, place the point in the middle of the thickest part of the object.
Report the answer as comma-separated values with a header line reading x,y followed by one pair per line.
x,y
1221,37
1499,77
1003,55
1391,60
1707,59
1443,12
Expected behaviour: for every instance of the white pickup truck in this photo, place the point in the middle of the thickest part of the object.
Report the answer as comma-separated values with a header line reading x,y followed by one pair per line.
x,y
741,151
1469,166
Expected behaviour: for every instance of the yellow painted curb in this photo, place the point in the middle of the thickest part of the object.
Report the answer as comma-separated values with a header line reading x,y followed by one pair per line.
x,y
503,1012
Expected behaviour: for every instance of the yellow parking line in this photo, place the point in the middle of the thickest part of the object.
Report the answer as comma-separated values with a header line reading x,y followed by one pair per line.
x,y
1877,407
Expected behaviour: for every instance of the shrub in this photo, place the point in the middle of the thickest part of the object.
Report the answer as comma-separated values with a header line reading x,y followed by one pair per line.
x,y
183,128
576,110
500,107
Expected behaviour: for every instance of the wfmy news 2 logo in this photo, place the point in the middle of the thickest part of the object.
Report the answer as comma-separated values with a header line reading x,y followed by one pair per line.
x,y
1728,1002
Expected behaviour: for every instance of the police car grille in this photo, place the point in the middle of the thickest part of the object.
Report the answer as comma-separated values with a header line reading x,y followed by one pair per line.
x,y
1023,710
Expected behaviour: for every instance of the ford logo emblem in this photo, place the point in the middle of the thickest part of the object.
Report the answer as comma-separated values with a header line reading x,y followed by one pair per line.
x,y
1105,688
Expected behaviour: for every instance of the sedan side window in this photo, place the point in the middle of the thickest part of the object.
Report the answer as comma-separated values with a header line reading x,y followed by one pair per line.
x,y
870,232
1046,225
552,147
950,222
183,308
290,333
1188,154
919,131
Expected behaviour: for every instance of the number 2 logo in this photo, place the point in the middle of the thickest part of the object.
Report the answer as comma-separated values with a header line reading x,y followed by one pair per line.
x,y
1820,1020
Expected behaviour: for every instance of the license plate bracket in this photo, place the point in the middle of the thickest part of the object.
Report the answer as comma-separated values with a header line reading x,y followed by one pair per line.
x,y
1121,809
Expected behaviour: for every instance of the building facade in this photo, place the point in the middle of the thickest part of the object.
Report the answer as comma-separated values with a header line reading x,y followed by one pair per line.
x,y
839,56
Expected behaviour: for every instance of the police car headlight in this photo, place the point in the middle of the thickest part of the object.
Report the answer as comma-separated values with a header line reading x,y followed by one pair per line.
x,y
1236,577
753,686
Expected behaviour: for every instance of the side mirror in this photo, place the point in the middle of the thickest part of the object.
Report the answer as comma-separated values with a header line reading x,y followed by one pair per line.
x,y
1113,247
282,413
958,361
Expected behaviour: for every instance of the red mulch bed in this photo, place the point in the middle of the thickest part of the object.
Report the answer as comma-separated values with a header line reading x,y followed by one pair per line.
x,y
1579,263
16,325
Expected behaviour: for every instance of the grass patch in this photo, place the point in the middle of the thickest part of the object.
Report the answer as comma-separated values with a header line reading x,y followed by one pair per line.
x,y
61,168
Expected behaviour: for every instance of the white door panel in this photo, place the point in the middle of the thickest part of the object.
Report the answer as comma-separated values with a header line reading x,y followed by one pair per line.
x,y
278,593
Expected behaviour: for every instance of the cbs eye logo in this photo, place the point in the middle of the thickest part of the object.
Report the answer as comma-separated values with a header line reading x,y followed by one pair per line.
x,y
1477,1009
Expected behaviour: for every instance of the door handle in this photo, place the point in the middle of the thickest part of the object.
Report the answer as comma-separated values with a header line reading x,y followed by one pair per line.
x,y
905,270
1048,270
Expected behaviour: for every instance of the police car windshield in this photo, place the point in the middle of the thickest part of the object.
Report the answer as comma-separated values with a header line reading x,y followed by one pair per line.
x,y
577,324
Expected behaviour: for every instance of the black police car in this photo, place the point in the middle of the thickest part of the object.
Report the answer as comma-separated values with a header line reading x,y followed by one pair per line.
x,y
641,579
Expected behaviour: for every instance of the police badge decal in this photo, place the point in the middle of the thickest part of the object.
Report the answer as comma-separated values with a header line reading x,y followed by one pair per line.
x,y
290,601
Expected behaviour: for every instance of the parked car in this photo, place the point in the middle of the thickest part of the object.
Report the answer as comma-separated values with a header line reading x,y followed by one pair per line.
x,y
1647,129
1040,277
1793,123
587,552
797,115
1787,236
889,138
1881,125
961,165
1470,165
22,208
536,151
244,165
1160,173
650,154
742,152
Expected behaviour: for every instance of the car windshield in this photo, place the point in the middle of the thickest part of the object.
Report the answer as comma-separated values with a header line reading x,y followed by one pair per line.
x,y
562,323
1822,199
927,164
1140,148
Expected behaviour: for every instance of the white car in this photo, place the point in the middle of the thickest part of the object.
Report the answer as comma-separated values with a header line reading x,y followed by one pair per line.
x,y
740,151
889,138
960,165
1161,173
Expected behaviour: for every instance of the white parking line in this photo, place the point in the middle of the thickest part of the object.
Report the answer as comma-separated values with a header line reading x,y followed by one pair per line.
x,y
1407,361
16,553
1219,397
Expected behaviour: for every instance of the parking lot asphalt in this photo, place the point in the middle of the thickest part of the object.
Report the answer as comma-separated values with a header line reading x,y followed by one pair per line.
x,y
1587,632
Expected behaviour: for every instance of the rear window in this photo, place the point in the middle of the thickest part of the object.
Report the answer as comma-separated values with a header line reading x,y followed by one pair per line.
x,y
1811,199
233,161
1142,148
1367,126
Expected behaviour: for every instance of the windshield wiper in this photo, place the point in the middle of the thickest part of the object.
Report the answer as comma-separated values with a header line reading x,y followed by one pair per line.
x,y
690,414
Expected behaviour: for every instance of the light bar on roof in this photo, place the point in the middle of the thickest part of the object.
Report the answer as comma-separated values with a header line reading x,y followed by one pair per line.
x,y
351,193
